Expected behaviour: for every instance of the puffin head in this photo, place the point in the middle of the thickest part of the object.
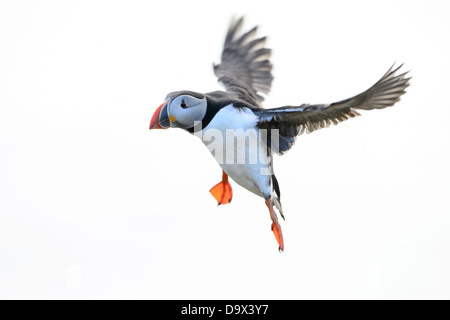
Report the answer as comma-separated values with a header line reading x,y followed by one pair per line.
x,y
180,110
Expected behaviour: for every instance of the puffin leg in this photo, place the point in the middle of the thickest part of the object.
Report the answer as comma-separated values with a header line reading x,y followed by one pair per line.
x,y
222,191
276,228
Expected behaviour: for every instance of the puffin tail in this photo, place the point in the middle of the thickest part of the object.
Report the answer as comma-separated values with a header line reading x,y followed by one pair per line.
x,y
276,196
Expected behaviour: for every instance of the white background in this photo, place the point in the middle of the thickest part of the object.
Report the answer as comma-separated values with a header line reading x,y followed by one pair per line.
x,y
94,205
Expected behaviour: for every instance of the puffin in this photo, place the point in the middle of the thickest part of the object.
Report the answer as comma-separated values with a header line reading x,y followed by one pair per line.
x,y
242,135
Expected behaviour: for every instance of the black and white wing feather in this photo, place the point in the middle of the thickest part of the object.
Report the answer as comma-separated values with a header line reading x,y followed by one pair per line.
x,y
293,121
245,69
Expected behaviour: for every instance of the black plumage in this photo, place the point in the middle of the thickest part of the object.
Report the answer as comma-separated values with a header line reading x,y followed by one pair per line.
x,y
246,71
245,68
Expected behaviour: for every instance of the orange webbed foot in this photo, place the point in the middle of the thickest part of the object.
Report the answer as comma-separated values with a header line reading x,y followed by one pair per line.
x,y
276,228
222,191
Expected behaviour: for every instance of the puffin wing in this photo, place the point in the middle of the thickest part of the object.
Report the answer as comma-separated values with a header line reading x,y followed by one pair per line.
x,y
245,69
293,121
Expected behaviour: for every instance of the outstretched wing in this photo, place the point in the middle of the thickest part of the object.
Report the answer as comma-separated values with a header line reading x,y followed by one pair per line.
x,y
245,69
293,121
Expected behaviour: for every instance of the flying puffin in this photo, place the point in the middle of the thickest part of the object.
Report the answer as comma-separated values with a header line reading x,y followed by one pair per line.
x,y
241,134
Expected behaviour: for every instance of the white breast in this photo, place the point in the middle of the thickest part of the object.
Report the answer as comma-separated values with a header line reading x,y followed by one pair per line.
x,y
236,143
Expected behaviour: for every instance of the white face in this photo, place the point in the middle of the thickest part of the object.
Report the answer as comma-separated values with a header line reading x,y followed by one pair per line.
x,y
185,109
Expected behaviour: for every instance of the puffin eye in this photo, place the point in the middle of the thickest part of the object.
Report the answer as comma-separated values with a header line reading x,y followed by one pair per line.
x,y
183,104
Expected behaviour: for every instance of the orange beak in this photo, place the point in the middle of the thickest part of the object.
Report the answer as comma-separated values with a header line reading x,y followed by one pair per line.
x,y
160,119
